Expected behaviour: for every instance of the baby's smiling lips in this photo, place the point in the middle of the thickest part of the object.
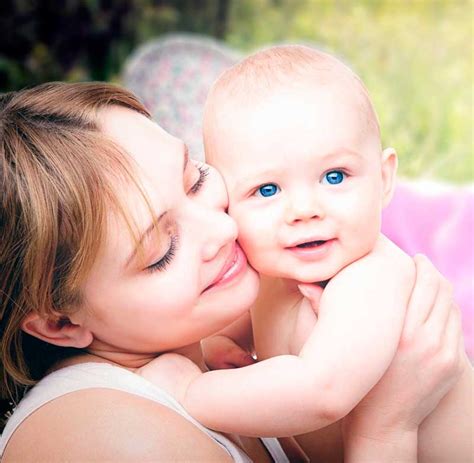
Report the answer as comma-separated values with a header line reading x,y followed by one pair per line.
x,y
308,242
311,244
311,250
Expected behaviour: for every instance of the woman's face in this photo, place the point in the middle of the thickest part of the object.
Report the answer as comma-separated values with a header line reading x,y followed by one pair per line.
x,y
191,278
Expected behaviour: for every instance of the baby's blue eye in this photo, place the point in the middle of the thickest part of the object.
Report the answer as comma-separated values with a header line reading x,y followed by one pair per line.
x,y
334,177
269,189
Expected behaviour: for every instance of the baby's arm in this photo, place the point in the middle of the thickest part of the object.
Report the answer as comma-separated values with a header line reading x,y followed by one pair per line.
x,y
360,321
361,316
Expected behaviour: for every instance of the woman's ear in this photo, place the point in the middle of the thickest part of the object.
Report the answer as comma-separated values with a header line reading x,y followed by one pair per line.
x,y
60,332
389,171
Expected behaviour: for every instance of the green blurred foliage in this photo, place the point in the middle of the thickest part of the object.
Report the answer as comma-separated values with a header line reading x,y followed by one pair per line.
x,y
42,40
415,56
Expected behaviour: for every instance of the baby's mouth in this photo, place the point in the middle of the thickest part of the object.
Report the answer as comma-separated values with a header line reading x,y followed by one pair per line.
x,y
311,244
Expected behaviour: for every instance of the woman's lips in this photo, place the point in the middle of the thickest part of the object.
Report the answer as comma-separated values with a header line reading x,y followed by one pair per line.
x,y
315,250
235,264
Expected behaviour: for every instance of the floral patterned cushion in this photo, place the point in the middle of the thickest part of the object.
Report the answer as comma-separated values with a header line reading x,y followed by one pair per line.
x,y
172,75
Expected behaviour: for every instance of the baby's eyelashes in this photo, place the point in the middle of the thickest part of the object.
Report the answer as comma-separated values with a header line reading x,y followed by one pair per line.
x,y
266,190
333,177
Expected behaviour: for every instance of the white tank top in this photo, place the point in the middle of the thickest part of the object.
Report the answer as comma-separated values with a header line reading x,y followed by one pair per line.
x,y
103,375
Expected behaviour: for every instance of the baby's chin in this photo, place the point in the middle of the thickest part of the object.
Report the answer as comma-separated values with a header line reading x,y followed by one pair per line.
x,y
305,276
310,278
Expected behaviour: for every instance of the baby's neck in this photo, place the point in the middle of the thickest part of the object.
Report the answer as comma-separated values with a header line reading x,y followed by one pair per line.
x,y
287,285
280,322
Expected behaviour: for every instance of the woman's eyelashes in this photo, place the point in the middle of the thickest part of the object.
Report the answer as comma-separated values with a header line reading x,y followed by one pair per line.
x,y
267,190
167,258
203,173
164,261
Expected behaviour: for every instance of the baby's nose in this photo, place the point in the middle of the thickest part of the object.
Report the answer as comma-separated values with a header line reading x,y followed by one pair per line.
x,y
303,208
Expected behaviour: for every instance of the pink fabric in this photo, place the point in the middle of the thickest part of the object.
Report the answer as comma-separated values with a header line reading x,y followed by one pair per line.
x,y
438,221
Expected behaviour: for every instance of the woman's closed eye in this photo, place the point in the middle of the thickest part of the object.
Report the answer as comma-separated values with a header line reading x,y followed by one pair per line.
x,y
167,258
267,190
164,261
203,173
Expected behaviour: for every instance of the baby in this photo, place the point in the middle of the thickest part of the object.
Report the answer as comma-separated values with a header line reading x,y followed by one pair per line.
x,y
296,138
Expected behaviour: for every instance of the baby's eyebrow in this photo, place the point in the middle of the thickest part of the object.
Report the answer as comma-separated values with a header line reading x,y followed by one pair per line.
x,y
341,152
257,178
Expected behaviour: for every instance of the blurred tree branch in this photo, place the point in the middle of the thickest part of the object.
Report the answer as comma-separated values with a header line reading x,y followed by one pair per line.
x,y
43,40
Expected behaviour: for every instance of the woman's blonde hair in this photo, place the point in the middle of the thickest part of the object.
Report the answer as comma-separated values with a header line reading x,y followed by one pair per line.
x,y
55,182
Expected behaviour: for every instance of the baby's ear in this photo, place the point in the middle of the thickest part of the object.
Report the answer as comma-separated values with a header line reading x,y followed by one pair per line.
x,y
60,331
389,172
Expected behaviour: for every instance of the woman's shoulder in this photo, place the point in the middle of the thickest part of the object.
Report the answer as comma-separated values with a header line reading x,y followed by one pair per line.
x,y
107,424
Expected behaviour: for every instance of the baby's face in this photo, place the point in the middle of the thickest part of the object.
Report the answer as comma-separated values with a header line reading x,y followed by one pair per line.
x,y
306,181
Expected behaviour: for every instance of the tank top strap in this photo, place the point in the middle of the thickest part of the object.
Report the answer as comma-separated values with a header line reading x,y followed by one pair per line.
x,y
103,375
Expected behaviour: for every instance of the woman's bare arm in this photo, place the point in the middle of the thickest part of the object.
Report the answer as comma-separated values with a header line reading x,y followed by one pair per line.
x,y
109,425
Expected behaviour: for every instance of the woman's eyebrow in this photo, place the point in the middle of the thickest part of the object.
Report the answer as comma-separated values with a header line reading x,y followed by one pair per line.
x,y
186,156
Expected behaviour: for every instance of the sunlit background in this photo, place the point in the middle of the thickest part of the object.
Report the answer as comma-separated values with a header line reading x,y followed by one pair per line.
x,y
415,56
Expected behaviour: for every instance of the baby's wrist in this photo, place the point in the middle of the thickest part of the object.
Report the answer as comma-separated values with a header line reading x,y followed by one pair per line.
x,y
381,445
380,421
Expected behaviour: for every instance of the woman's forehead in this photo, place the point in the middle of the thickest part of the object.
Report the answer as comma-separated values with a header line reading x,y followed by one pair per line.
x,y
154,153
137,134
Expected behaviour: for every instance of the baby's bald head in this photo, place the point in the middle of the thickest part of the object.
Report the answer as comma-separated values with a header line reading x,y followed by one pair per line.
x,y
281,69
296,139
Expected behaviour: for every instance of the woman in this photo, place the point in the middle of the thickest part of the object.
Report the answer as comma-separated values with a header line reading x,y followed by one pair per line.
x,y
115,249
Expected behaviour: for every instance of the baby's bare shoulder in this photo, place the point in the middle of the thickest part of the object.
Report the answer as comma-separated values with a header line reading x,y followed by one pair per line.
x,y
386,257
171,372
385,265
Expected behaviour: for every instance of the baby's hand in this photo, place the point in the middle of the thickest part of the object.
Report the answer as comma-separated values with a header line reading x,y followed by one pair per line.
x,y
312,294
307,316
231,347
221,352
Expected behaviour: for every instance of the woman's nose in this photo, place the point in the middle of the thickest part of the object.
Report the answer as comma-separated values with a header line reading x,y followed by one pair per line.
x,y
303,207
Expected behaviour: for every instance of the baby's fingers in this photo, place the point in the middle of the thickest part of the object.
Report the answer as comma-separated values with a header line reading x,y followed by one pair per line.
x,y
311,292
221,352
423,296
442,308
454,343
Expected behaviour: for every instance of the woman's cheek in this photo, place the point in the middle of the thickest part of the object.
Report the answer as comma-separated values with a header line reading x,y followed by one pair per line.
x,y
176,292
